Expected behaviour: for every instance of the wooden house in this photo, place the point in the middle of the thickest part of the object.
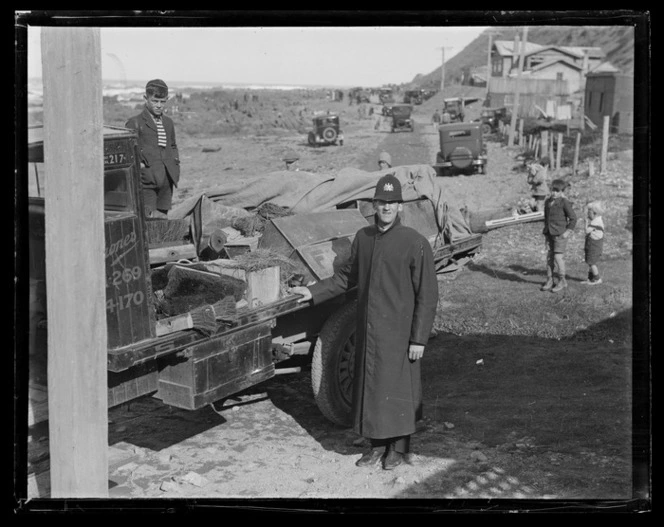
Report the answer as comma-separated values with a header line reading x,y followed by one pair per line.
x,y
610,93
553,77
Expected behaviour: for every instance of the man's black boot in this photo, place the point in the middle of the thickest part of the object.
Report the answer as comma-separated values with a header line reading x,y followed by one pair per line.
x,y
370,458
393,458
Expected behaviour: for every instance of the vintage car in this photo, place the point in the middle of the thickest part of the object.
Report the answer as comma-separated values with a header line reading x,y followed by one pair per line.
x,y
326,130
413,97
398,117
492,117
455,108
462,149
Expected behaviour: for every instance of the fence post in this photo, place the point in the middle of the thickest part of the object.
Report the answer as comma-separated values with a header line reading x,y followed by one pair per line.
x,y
545,143
521,142
576,152
605,145
559,150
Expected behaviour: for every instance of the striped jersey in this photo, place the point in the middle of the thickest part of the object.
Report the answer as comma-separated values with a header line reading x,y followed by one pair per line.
x,y
161,132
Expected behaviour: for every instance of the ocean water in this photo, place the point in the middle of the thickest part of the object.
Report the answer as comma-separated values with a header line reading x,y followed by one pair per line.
x,y
130,90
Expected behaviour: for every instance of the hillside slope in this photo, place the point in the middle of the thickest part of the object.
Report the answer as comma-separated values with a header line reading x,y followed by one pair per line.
x,y
616,41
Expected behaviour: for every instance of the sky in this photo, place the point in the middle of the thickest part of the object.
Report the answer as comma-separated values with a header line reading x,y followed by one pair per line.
x,y
302,56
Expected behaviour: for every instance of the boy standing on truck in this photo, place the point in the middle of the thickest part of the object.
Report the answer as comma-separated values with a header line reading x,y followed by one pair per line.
x,y
392,267
158,151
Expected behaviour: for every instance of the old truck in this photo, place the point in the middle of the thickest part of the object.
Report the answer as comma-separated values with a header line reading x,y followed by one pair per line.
x,y
171,358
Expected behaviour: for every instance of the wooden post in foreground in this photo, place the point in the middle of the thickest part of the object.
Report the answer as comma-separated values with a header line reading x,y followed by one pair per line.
x,y
605,145
577,147
75,268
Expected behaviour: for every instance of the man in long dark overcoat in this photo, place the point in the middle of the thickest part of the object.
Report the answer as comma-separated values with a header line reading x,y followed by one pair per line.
x,y
158,150
393,268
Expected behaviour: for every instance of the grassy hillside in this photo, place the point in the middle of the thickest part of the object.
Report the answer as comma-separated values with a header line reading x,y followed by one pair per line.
x,y
616,41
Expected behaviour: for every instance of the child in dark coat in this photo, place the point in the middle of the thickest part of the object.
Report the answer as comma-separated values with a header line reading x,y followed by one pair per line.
x,y
559,222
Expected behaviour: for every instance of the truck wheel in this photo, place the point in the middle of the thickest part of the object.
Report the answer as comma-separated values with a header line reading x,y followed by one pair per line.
x,y
312,139
486,129
330,135
332,365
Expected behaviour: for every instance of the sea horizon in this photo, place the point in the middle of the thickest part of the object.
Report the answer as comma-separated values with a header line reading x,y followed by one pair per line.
x,y
115,86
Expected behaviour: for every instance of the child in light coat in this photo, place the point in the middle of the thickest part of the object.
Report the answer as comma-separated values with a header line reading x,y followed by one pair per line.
x,y
594,227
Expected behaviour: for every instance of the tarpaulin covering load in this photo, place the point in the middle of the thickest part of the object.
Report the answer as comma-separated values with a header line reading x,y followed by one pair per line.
x,y
306,192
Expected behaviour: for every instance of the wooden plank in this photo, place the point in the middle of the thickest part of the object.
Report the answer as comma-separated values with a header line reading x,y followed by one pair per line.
x,y
172,253
519,218
77,339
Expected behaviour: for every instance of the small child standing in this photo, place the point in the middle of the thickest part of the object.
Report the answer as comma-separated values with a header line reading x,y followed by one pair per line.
x,y
594,241
538,177
559,222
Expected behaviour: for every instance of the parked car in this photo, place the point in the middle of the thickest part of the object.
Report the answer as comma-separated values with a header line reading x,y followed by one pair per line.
x,y
326,130
455,107
462,149
399,117
413,97
492,117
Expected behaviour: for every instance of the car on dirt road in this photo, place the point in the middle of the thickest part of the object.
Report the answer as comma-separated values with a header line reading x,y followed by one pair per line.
x,y
492,117
399,117
462,149
413,97
455,108
326,130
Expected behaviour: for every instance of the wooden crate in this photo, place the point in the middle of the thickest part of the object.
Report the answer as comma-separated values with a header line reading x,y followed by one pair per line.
x,y
217,368
263,285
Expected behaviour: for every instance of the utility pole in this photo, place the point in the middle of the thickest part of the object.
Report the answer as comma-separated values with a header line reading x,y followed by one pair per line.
x,y
76,285
442,71
515,109
488,61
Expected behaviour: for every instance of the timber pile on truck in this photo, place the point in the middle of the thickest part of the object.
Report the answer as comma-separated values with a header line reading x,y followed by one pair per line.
x,y
197,306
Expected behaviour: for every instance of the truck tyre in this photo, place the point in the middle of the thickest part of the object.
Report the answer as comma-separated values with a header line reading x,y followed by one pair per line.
x,y
312,139
486,129
333,364
330,135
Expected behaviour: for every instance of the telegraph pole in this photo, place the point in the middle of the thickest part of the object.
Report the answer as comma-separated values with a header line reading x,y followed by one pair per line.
x,y
515,109
488,61
442,71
